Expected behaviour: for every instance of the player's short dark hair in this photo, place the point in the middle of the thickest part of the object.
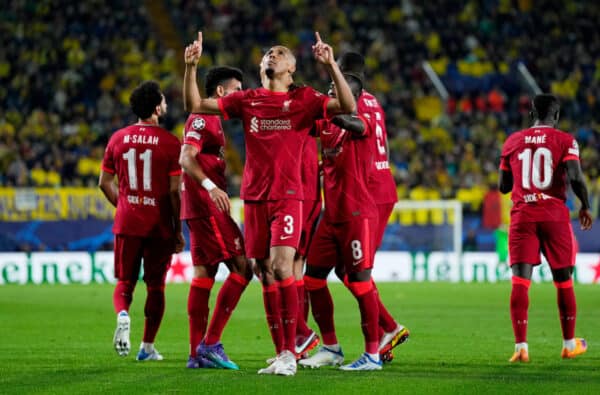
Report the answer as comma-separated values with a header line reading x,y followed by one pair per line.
x,y
544,106
218,75
145,98
353,64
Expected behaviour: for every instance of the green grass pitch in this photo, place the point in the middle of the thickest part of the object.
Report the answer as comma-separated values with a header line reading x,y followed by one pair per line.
x,y
58,339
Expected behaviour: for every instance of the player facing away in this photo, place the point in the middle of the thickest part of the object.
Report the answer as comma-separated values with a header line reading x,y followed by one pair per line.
x,y
214,235
345,235
535,164
277,119
383,189
144,158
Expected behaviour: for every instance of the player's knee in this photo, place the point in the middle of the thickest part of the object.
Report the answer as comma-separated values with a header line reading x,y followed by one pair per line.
x,y
561,275
316,272
362,276
340,272
282,268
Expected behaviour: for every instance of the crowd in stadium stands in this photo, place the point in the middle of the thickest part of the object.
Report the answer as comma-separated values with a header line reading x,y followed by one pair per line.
x,y
67,68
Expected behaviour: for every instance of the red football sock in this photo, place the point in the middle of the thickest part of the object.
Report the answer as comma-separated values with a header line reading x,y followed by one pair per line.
x,y
123,295
567,308
365,294
306,304
322,308
386,321
153,311
228,298
272,303
198,310
301,328
289,311
519,305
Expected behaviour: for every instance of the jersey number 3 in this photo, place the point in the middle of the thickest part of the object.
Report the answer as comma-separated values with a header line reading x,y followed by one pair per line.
x,y
536,168
146,158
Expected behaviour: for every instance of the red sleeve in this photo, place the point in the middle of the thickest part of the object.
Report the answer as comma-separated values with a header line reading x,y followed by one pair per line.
x,y
193,131
108,164
572,151
504,156
231,105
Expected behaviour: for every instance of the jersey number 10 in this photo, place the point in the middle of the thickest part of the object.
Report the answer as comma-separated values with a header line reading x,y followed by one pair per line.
x,y
146,158
536,170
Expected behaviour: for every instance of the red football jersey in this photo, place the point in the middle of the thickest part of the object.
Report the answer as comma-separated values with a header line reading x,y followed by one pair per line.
x,y
143,157
206,134
381,182
347,166
276,125
536,158
311,182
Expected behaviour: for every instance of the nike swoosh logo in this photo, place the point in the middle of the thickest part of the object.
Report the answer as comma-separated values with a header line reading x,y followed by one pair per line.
x,y
324,132
285,237
357,262
255,103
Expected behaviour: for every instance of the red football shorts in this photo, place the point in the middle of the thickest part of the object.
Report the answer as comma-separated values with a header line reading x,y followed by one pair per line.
x,y
349,243
384,210
214,239
156,252
311,210
554,239
270,224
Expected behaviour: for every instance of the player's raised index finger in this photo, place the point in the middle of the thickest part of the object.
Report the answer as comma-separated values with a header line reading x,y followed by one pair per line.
x,y
318,37
200,37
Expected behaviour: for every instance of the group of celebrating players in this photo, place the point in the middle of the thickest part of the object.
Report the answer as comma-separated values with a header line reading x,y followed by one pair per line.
x,y
284,225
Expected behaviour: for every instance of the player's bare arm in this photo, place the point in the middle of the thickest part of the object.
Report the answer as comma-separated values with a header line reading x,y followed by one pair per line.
x,y
577,180
505,181
192,100
344,102
352,123
189,164
107,184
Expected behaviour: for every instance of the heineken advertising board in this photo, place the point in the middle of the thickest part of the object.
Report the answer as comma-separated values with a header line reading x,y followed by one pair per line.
x,y
85,268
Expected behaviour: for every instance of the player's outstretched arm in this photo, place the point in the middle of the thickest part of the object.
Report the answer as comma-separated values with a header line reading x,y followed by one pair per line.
x,y
106,182
577,180
344,102
352,123
505,181
192,100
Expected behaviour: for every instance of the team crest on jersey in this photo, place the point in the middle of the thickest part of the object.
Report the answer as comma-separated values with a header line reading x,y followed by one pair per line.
x,y
199,123
286,106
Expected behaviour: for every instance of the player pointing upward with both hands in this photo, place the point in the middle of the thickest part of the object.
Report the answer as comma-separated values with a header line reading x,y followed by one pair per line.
x,y
277,119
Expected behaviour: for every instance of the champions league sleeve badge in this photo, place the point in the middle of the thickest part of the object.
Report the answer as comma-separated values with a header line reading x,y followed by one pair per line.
x,y
198,123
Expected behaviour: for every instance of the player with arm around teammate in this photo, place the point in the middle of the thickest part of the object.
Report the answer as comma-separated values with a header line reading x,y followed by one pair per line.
x,y
277,118
345,235
535,165
214,235
383,189
144,158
